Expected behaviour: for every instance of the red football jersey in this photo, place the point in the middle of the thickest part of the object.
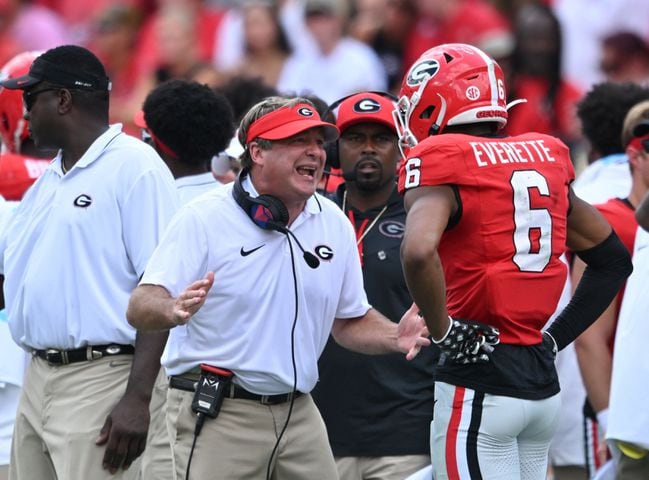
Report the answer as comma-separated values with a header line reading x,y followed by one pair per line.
x,y
17,173
621,216
501,260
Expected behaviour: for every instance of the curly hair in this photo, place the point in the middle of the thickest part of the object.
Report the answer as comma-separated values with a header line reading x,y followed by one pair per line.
x,y
602,112
190,118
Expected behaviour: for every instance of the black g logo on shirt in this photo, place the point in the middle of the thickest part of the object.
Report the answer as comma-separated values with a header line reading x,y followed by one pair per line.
x,y
324,252
82,201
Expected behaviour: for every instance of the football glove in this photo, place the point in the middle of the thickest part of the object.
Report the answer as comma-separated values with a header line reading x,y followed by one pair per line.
x,y
468,342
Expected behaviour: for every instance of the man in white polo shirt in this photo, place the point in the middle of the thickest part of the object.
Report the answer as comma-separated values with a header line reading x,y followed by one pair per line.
x,y
71,254
260,300
187,123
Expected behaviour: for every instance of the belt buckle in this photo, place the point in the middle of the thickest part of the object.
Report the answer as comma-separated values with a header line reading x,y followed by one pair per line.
x,y
93,354
265,400
62,359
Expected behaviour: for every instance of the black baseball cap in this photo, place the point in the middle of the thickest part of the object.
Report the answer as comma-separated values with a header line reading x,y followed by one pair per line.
x,y
68,66
641,129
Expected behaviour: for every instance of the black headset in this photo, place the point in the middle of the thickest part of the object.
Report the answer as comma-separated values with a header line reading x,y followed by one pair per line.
x,y
331,148
268,212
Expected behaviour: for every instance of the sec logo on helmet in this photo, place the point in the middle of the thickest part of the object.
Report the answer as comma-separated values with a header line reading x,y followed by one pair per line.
x,y
421,71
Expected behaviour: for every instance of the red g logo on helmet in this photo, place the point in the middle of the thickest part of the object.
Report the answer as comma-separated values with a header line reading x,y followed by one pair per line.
x,y
451,84
13,127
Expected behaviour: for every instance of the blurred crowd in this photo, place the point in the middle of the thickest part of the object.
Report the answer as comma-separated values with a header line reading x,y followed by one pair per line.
x,y
552,51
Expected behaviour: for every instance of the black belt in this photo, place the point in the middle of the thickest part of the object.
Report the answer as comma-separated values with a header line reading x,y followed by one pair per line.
x,y
235,391
83,354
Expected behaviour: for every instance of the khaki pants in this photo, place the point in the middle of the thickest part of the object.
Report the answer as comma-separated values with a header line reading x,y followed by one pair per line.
x,y
631,469
394,467
60,413
238,443
156,459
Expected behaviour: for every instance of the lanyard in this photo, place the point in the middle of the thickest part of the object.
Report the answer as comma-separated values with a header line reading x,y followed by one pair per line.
x,y
364,229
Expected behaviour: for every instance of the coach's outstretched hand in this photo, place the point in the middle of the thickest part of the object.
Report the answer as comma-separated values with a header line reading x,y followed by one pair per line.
x,y
412,333
192,299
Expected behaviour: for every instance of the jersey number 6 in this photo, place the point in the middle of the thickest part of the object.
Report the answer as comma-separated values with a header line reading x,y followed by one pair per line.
x,y
533,226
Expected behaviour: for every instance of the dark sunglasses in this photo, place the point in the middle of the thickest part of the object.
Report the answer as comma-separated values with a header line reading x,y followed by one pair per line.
x,y
645,145
29,97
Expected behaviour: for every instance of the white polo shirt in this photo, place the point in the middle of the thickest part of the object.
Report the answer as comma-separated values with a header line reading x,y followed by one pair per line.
x,y
77,244
192,186
628,417
245,323
606,178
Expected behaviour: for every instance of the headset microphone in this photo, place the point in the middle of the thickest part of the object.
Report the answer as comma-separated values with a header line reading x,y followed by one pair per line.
x,y
328,171
310,259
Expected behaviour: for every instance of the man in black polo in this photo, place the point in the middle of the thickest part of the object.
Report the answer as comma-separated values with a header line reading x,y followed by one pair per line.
x,y
377,408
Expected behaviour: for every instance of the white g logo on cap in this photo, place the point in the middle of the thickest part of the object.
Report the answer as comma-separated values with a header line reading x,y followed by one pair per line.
x,y
305,112
367,105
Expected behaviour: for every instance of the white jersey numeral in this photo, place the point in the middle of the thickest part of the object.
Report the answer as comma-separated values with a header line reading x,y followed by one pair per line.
x,y
533,226
413,174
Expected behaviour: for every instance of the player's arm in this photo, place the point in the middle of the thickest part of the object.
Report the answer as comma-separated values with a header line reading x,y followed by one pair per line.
x,y
642,213
593,352
608,264
429,210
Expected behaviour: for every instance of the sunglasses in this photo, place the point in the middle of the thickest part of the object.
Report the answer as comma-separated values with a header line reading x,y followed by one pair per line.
x,y
645,145
29,97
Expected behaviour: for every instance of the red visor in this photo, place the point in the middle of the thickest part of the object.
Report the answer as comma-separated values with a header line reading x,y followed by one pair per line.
x,y
288,121
139,121
639,142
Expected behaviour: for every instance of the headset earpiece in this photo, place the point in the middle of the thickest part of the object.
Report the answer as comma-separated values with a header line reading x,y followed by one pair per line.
x,y
266,211
332,160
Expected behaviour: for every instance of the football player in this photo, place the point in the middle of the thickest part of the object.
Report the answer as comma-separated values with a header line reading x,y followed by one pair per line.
x,y
488,218
21,163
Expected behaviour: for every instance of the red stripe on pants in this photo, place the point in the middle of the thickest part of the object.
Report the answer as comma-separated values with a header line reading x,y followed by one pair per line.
x,y
594,431
451,434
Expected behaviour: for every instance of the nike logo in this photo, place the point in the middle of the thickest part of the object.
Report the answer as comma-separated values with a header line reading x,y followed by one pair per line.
x,y
245,253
